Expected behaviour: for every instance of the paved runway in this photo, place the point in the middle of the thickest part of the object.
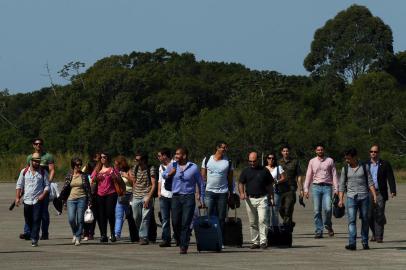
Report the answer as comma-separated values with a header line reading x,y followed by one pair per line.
x,y
307,252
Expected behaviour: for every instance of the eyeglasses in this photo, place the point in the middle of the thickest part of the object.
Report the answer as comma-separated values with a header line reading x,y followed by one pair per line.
x,y
38,143
373,151
270,158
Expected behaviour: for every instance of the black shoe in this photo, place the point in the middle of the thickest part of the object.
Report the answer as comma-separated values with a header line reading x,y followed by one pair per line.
x,y
350,247
365,246
372,239
113,239
264,246
255,246
318,236
144,242
165,244
44,237
24,236
330,230
104,239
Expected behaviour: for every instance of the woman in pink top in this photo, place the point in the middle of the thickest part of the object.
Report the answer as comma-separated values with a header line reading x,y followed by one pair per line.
x,y
106,198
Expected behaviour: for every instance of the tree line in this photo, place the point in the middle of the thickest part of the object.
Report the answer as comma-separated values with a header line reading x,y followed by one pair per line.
x,y
354,96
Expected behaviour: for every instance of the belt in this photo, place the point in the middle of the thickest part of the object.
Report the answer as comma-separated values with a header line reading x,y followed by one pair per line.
x,y
256,196
322,184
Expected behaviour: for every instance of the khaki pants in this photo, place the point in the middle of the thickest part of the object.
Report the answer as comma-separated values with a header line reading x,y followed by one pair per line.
x,y
258,215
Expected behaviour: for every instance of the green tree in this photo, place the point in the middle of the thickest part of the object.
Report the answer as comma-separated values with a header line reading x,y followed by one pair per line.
x,y
350,44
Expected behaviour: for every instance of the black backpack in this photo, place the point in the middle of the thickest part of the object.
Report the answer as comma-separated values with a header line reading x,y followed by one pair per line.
x,y
155,193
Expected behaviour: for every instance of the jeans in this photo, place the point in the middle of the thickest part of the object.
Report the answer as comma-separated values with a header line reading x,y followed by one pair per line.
x,y
44,219
377,219
275,209
353,204
76,213
258,215
32,215
106,206
322,199
165,206
183,207
142,216
217,206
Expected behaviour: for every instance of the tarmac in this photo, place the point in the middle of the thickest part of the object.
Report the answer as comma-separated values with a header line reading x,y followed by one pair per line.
x,y
306,253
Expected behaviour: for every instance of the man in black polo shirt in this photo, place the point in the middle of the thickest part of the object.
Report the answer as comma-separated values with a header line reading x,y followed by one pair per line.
x,y
255,188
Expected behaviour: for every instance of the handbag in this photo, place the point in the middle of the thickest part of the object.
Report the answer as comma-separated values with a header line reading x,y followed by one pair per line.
x,y
119,184
234,201
89,217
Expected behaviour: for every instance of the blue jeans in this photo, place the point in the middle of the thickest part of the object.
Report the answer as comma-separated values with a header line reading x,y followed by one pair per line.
x,y
32,215
165,206
44,219
217,206
142,216
76,213
121,213
322,199
353,204
183,208
275,209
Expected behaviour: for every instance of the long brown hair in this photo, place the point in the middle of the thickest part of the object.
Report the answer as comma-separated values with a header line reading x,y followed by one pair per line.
x,y
122,163
99,165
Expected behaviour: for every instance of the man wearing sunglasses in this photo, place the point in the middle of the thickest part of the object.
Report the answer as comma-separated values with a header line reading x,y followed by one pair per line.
x,y
382,175
255,187
47,163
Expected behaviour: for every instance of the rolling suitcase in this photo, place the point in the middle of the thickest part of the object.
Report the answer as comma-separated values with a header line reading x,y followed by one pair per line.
x,y
279,236
233,231
208,233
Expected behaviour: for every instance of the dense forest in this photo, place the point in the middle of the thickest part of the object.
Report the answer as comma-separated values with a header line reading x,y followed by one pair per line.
x,y
355,95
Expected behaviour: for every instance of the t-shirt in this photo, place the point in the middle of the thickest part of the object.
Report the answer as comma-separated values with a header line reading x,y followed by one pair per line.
x,y
274,172
128,185
292,170
105,185
164,192
77,191
142,186
217,174
256,180
281,187
46,159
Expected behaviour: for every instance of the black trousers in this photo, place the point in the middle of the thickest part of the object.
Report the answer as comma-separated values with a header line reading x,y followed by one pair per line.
x,y
106,212
288,200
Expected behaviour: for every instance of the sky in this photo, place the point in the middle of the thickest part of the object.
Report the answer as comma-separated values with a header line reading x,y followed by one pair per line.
x,y
260,34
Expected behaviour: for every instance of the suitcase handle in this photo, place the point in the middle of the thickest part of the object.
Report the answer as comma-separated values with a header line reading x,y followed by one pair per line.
x,y
235,212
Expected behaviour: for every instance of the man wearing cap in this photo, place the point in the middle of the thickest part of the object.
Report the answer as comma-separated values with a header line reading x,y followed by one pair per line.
x,y
34,181
48,164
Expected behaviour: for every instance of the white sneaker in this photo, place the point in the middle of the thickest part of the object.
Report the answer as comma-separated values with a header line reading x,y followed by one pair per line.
x,y
73,239
77,241
85,238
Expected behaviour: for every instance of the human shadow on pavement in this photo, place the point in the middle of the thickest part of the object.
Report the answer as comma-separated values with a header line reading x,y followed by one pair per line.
x,y
20,251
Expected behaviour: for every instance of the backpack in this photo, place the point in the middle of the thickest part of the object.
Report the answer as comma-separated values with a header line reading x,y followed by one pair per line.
x,y
168,181
155,193
364,168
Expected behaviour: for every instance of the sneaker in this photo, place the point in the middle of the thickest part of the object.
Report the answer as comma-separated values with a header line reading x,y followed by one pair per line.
x,y
118,238
255,246
104,239
318,236
85,238
365,246
77,241
73,239
264,246
144,242
350,247
34,244
330,230
113,239
165,244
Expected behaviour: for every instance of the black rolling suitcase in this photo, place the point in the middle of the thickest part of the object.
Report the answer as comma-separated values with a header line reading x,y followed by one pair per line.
x,y
233,231
280,236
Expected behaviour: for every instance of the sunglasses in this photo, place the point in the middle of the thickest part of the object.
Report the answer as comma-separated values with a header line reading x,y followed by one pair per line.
x,y
103,157
252,161
36,161
78,164
270,157
373,151
37,143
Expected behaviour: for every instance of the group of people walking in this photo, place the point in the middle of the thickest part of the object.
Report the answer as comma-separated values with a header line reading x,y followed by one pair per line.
x,y
114,191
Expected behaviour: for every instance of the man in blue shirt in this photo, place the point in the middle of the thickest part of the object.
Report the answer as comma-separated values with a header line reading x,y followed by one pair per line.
x,y
185,177
33,181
